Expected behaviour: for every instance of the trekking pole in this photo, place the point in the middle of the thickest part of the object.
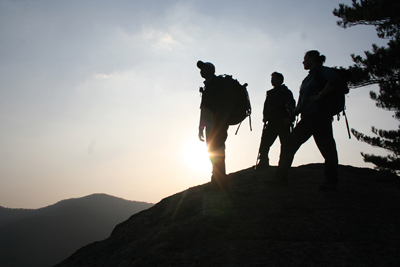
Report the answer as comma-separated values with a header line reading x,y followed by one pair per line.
x,y
237,130
347,124
259,149
251,128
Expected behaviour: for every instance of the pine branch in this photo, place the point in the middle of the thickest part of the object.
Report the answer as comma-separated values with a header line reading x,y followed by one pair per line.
x,y
388,163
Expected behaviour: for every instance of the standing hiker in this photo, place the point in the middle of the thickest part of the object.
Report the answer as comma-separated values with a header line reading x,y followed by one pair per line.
x,y
213,119
277,120
316,120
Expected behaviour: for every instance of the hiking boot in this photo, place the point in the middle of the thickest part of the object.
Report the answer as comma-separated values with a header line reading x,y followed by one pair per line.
x,y
263,164
262,167
216,184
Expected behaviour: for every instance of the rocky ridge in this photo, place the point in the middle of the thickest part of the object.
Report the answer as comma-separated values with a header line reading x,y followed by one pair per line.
x,y
252,224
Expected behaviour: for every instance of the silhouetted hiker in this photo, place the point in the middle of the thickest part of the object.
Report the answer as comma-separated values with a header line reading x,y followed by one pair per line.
x,y
213,120
315,121
277,120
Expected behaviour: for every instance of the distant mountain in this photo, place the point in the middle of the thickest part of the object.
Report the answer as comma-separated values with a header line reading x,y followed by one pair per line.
x,y
44,237
253,224
10,215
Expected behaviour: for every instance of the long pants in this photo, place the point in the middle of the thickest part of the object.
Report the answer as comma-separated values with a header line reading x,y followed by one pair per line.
x,y
271,131
216,136
320,127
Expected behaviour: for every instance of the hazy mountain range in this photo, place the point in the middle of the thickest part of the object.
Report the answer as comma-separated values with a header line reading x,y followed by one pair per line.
x,y
253,224
43,237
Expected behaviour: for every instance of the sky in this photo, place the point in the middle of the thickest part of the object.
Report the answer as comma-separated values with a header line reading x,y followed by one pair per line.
x,y
102,96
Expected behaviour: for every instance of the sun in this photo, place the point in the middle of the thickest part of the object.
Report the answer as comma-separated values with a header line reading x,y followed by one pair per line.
x,y
196,156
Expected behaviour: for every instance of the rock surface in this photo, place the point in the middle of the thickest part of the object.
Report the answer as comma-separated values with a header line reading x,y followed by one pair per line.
x,y
252,224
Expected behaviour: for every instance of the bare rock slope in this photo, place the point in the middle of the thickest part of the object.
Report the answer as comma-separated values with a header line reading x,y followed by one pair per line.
x,y
252,224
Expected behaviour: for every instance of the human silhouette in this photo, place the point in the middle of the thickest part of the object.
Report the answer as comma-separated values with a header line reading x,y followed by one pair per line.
x,y
277,120
315,121
213,119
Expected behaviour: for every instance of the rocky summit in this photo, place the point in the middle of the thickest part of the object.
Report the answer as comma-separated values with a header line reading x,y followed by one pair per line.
x,y
253,224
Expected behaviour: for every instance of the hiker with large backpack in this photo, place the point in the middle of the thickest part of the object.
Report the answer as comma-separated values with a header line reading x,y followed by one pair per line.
x,y
316,111
224,102
276,118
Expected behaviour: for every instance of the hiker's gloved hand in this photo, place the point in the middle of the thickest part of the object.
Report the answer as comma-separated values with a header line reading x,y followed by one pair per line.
x,y
293,111
201,134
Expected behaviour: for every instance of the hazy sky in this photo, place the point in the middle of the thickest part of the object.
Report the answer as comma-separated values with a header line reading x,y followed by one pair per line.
x,y
102,96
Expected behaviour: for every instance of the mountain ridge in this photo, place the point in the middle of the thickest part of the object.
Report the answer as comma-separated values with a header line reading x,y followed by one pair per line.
x,y
12,214
45,236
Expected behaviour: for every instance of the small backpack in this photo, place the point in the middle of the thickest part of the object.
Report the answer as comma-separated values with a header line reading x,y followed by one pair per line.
x,y
238,101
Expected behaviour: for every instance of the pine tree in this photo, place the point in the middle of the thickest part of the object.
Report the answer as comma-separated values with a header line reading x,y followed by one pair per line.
x,y
382,67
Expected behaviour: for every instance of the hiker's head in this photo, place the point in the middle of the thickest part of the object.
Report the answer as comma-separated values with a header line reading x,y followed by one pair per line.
x,y
276,79
207,69
313,59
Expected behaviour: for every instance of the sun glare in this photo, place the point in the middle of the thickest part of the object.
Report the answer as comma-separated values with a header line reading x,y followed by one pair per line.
x,y
196,156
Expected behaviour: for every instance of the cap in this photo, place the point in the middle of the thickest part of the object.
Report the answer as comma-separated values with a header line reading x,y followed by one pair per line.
x,y
201,65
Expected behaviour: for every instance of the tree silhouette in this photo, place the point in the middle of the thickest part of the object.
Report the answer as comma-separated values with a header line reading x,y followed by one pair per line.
x,y
382,67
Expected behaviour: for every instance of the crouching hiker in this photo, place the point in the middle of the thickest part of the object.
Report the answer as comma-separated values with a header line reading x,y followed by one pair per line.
x,y
316,120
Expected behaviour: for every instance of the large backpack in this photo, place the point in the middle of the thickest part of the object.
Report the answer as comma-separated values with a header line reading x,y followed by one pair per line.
x,y
336,99
237,102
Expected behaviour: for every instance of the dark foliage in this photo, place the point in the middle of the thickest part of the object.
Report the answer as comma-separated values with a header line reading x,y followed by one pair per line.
x,y
383,14
382,67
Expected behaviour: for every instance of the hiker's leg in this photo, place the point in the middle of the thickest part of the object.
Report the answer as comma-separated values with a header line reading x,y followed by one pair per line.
x,y
217,157
269,136
301,133
216,148
323,136
283,132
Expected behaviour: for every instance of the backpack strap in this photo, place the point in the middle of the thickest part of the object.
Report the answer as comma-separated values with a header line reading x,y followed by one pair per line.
x,y
320,79
251,129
